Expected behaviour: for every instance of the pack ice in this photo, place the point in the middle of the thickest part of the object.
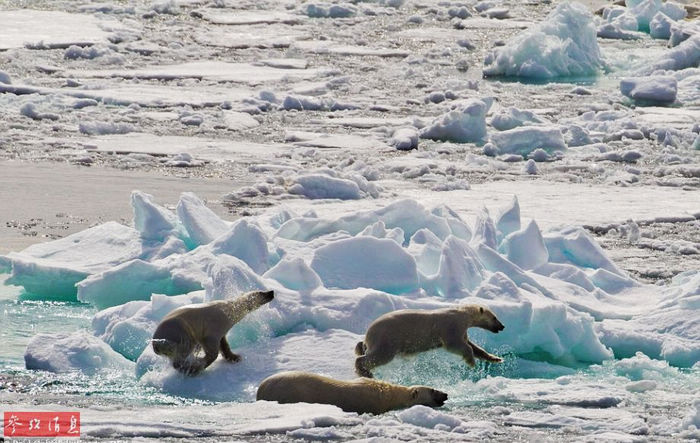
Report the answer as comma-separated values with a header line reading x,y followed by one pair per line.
x,y
563,301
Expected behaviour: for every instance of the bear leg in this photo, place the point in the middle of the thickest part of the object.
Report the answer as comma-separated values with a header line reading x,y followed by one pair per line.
x,y
365,363
462,349
226,351
480,353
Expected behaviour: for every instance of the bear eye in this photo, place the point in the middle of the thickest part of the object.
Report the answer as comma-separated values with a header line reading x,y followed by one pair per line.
x,y
481,309
414,393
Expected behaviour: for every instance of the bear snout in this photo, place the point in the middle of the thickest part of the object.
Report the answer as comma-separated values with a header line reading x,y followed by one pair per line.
x,y
498,327
269,295
439,397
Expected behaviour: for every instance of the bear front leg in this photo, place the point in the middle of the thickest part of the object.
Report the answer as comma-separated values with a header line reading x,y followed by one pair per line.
x,y
226,351
211,351
480,353
462,349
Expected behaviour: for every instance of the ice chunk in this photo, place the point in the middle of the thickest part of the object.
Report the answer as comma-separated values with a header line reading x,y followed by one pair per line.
x,y
524,140
404,139
660,26
563,45
52,269
324,10
426,248
484,229
644,11
133,280
459,272
409,215
79,351
427,417
317,186
513,117
659,89
201,223
101,128
573,245
366,262
669,331
465,123
246,241
526,247
508,219
154,222
685,55
294,274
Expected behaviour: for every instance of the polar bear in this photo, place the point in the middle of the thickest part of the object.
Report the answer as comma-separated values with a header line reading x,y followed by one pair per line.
x,y
184,330
410,331
362,395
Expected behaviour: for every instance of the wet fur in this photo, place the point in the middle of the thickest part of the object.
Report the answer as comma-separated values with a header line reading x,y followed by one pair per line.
x,y
187,329
411,331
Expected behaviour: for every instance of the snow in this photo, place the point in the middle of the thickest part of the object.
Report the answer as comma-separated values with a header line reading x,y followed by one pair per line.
x,y
650,89
563,45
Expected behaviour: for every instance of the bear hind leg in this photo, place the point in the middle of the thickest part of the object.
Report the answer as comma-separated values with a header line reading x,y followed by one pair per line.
x,y
365,363
226,351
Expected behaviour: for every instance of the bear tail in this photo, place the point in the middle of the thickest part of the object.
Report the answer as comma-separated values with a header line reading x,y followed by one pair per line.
x,y
360,348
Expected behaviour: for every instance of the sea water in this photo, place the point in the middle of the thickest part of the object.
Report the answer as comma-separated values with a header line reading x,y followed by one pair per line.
x,y
518,399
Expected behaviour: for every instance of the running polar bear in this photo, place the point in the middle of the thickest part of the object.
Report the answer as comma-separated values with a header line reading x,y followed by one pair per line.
x,y
362,395
410,331
181,332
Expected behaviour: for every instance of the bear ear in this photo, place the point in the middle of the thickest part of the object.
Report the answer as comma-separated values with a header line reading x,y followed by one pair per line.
x,y
481,309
